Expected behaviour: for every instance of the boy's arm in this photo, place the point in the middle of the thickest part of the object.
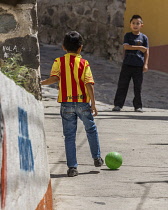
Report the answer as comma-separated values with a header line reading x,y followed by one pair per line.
x,y
90,90
50,80
134,47
146,58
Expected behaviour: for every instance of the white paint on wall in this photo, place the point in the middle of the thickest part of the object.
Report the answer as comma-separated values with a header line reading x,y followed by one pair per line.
x,y
10,48
26,183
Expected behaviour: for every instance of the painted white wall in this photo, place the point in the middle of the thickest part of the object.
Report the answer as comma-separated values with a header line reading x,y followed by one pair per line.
x,y
25,189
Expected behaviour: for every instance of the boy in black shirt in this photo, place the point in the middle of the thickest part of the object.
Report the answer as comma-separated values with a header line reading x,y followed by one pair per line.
x,y
134,64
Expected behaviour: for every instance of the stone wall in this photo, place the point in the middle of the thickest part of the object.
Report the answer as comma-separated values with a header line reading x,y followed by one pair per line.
x,y
18,35
18,31
100,22
25,180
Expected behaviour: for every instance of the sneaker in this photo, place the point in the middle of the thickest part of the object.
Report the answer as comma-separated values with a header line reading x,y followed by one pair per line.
x,y
116,109
139,110
98,162
72,172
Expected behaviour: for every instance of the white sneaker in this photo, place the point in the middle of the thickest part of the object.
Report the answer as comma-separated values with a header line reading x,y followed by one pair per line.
x,y
139,110
116,109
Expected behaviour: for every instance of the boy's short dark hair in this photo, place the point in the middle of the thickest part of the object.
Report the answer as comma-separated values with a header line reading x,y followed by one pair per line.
x,y
136,17
72,41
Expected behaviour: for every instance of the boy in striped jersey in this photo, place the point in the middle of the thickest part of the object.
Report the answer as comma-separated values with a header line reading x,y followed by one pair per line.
x,y
75,93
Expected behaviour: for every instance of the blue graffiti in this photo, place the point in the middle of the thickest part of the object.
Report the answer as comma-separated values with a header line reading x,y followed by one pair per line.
x,y
25,147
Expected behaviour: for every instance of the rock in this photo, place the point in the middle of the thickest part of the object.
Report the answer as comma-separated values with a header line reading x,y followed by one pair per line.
x,y
99,22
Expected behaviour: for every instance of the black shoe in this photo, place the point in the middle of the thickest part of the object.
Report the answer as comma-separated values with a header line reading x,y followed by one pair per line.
x,y
72,172
116,109
98,162
139,110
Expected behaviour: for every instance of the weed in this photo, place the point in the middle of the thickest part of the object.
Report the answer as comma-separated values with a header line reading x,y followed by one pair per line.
x,y
21,75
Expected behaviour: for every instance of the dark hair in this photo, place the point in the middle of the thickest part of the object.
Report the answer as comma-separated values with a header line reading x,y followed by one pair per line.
x,y
136,17
72,41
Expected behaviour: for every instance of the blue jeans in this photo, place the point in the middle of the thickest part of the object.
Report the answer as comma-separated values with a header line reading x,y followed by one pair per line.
x,y
70,111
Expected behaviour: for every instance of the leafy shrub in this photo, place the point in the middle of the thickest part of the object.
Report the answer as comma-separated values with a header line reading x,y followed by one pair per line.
x,y
22,75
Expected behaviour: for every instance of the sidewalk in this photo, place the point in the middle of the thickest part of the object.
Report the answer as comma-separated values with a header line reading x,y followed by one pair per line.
x,y
141,183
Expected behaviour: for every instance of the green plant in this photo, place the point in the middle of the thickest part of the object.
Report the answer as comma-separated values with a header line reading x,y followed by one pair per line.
x,y
22,75
11,68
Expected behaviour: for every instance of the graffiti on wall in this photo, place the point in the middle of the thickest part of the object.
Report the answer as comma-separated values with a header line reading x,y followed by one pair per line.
x,y
11,50
25,147
26,46
3,159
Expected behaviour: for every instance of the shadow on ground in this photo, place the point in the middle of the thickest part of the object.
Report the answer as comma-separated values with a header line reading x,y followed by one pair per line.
x,y
65,175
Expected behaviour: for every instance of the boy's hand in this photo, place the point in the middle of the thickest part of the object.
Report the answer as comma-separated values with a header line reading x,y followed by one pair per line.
x,y
135,47
142,49
49,81
94,110
145,68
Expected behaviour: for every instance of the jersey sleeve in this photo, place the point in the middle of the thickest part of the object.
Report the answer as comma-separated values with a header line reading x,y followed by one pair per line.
x,y
88,74
126,39
55,71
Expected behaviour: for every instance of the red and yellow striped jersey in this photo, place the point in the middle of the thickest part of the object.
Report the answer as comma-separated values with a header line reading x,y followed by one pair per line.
x,y
74,73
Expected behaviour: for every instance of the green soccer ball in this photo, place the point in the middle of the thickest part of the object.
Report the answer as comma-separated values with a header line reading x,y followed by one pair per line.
x,y
113,160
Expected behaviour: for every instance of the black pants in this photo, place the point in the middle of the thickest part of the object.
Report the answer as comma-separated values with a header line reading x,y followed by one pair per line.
x,y
127,73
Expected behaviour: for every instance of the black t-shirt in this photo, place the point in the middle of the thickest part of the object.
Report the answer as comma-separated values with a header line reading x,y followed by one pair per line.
x,y
135,57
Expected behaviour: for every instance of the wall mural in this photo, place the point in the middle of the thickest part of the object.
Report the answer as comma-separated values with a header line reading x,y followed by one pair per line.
x,y
25,147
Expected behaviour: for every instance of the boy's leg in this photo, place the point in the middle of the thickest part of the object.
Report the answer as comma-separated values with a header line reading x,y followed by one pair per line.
x,y
137,80
84,113
69,122
123,84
